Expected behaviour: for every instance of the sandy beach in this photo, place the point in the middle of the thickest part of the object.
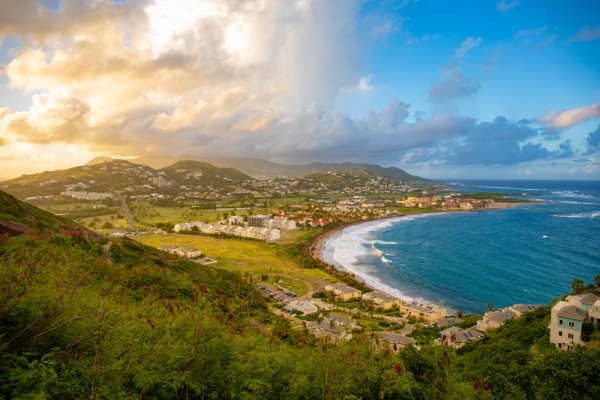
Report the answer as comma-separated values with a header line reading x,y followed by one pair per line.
x,y
317,245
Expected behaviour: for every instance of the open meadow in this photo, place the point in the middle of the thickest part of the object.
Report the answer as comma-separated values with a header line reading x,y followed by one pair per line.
x,y
245,256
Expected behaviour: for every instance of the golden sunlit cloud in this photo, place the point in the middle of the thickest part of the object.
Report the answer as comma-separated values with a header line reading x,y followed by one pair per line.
x,y
567,118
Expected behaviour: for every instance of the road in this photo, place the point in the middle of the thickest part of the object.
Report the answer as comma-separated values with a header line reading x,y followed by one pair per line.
x,y
127,214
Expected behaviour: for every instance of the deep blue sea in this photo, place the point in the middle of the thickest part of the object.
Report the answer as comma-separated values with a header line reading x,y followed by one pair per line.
x,y
465,260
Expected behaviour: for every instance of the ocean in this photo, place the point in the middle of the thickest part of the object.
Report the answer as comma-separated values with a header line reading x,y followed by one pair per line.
x,y
465,260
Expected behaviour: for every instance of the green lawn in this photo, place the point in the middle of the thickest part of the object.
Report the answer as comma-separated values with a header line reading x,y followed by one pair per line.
x,y
256,258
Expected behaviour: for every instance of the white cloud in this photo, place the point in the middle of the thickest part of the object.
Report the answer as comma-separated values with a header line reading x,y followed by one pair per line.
x,y
525,33
454,84
365,84
585,34
467,45
504,5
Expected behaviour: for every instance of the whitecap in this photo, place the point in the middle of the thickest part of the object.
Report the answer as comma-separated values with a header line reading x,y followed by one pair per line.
x,y
595,214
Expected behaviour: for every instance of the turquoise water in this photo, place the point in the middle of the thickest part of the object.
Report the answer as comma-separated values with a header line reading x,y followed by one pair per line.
x,y
465,260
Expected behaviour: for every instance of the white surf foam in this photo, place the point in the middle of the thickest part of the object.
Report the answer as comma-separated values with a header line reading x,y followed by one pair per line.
x,y
353,243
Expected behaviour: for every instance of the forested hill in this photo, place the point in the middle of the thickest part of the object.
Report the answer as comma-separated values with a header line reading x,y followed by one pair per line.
x,y
121,175
91,318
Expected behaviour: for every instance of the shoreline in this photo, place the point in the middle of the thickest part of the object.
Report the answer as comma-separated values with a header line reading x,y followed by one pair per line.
x,y
316,247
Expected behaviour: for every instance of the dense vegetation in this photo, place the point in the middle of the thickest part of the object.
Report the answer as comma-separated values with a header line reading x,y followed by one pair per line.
x,y
84,317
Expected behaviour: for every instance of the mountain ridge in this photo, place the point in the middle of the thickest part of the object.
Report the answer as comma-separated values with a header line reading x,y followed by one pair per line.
x,y
260,168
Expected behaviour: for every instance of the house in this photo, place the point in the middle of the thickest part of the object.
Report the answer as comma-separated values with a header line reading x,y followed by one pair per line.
x,y
381,300
568,317
306,307
494,319
421,310
457,338
335,326
188,252
394,340
521,309
344,292
448,321
170,248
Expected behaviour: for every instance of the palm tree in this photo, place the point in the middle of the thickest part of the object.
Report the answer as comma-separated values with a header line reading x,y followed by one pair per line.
x,y
577,285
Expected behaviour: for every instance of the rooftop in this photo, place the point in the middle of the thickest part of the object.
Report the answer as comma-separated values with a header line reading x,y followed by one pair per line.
x,y
589,298
345,288
572,312
397,338
501,316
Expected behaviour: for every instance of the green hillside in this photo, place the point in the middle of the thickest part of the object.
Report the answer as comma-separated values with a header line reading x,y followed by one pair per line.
x,y
17,218
109,175
93,318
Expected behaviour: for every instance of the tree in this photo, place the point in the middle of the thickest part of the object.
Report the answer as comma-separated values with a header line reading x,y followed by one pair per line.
x,y
577,285
107,225
597,281
490,306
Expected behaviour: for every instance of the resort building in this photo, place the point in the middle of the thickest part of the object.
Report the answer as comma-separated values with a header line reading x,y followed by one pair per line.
x,y
306,307
258,220
568,318
266,234
187,252
381,300
343,292
235,219
280,223
427,312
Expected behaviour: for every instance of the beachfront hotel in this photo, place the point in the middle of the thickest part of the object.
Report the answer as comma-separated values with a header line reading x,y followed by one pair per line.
x,y
381,300
344,292
427,312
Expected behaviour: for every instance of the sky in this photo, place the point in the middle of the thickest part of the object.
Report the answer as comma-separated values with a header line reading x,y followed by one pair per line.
x,y
505,89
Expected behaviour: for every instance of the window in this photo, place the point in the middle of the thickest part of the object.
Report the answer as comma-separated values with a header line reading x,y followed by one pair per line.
x,y
571,324
559,333
560,321
570,336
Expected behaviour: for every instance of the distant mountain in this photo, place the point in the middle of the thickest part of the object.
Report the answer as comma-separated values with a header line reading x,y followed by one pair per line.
x,y
99,160
259,168
207,170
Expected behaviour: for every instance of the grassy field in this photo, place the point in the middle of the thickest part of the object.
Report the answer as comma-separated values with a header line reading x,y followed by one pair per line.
x,y
256,258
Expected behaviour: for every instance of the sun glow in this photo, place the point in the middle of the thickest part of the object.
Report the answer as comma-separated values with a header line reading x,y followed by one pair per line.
x,y
167,23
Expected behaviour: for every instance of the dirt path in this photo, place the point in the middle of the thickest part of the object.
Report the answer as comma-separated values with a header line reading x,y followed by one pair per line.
x,y
106,252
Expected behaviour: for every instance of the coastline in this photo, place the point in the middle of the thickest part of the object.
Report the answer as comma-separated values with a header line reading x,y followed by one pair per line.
x,y
318,244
